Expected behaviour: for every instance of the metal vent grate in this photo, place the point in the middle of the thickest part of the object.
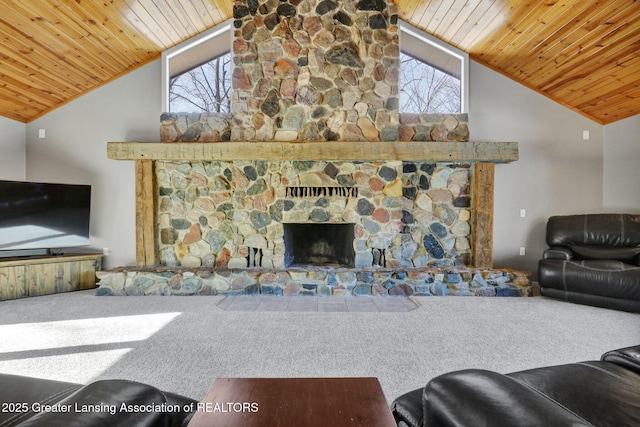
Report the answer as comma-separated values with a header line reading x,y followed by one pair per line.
x,y
322,192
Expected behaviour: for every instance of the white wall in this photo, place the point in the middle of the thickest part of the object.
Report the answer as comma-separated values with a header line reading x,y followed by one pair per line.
x,y
12,149
75,151
558,172
621,171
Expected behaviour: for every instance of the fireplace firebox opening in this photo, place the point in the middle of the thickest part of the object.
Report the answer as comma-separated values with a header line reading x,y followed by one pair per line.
x,y
319,244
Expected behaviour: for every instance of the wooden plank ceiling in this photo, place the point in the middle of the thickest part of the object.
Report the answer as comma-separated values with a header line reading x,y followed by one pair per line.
x,y
582,54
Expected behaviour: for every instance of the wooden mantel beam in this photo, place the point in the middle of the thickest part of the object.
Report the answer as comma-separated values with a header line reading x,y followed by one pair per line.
x,y
492,152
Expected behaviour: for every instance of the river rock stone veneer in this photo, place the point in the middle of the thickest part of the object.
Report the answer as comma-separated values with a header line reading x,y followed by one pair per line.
x,y
221,127
311,70
404,214
316,282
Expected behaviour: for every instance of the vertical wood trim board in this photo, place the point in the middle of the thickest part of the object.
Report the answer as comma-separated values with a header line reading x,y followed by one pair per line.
x,y
482,219
145,214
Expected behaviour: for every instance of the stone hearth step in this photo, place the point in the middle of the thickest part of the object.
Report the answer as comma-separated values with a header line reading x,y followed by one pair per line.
x,y
317,281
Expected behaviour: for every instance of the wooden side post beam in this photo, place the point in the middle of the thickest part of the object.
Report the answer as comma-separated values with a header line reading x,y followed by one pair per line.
x,y
482,217
146,246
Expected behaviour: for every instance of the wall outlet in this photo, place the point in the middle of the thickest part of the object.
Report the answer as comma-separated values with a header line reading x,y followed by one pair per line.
x,y
522,251
105,251
523,213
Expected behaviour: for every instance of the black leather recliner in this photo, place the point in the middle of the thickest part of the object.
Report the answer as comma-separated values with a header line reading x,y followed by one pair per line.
x,y
603,393
28,402
593,259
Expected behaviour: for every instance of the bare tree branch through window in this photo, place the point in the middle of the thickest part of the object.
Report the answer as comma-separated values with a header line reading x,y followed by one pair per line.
x,y
206,88
425,89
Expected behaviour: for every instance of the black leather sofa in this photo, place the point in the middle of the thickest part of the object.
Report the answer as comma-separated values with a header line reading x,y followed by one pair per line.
x,y
31,402
603,393
593,259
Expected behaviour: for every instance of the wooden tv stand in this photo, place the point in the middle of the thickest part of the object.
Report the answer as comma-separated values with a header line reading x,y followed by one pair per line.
x,y
43,275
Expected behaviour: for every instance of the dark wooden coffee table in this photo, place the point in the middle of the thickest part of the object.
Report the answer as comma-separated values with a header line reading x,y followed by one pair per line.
x,y
300,402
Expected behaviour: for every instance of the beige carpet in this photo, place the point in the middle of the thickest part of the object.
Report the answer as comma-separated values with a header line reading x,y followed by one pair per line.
x,y
182,344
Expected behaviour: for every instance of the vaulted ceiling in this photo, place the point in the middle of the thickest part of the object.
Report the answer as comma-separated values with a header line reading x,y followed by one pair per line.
x,y
582,54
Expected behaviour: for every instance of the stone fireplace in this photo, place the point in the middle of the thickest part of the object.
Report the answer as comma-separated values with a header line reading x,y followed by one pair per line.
x,y
315,183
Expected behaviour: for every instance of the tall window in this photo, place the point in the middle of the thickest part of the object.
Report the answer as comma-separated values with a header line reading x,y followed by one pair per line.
x,y
197,73
426,89
206,88
433,75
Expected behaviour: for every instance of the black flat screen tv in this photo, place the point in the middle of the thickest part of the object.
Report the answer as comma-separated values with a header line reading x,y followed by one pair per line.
x,y
40,218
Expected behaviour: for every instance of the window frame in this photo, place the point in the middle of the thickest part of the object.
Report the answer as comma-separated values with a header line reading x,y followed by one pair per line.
x,y
192,43
436,43
227,27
